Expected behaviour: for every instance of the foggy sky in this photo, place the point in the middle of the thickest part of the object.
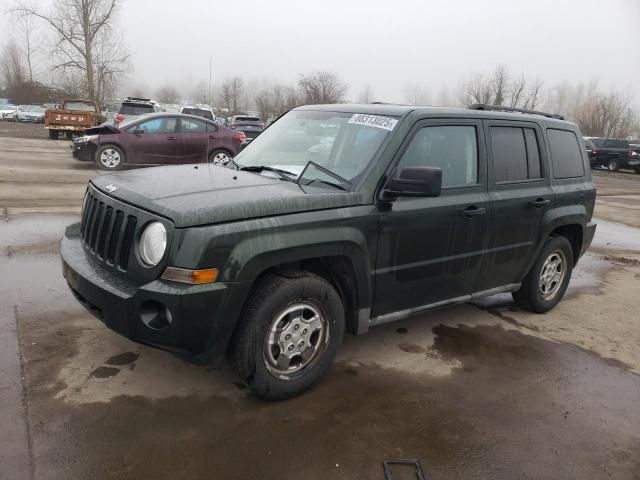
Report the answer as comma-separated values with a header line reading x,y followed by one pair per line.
x,y
382,43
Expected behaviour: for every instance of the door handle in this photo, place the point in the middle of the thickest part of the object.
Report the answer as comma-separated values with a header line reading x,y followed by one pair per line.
x,y
171,139
539,203
473,211
212,137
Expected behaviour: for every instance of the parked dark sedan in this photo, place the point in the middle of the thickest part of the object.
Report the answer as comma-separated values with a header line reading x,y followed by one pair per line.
x,y
158,139
251,126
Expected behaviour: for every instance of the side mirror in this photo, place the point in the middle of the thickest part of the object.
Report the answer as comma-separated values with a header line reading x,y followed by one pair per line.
x,y
245,143
415,182
138,131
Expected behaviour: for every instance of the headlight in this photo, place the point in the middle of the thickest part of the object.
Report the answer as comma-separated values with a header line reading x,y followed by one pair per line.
x,y
153,243
85,138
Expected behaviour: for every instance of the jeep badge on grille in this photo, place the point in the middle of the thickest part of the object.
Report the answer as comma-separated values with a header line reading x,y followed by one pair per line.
x,y
111,188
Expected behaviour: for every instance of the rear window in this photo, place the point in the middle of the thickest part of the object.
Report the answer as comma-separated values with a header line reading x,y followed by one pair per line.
x,y
516,155
198,113
129,109
80,106
613,143
246,119
566,155
598,142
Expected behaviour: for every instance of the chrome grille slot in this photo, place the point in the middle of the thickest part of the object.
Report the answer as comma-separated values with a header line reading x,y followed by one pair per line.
x,y
107,230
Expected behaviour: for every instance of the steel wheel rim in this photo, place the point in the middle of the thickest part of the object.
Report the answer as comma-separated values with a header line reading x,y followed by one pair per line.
x,y
612,165
110,158
220,158
552,274
296,338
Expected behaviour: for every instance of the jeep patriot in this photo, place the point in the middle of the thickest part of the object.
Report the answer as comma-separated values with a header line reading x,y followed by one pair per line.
x,y
335,219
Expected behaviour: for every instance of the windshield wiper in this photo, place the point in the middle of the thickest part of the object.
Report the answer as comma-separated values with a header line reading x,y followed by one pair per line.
x,y
284,174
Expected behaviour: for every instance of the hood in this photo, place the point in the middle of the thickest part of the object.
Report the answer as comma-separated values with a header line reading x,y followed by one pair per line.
x,y
202,194
102,129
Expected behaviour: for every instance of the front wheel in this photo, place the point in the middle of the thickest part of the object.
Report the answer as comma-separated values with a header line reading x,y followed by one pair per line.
x,y
289,334
109,157
548,279
53,135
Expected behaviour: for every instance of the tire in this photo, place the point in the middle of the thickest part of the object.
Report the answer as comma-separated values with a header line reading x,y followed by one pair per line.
x,y
110,157
286,300
531,295
613,165
220,157
69,135
53,134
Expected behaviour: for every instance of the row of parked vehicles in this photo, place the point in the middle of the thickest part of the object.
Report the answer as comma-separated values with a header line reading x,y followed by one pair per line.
x,y
23,113
613,154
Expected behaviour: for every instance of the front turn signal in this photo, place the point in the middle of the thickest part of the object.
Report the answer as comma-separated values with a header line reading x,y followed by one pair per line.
x,y
193,277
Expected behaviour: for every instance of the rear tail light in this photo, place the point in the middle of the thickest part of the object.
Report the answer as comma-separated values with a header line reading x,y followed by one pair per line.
x,y
239,136
594,150
119,118
630,153
233,125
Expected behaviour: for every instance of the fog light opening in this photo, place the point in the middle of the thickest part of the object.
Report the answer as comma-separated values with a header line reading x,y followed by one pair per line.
x,y
155,315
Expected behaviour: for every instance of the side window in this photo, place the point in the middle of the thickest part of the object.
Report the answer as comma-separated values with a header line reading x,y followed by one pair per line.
x,y
516,155
565,154
157,125
193,126
211,127
454,149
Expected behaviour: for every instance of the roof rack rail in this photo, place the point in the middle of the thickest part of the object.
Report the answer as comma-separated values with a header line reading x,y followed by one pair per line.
x,y
137,99
500,108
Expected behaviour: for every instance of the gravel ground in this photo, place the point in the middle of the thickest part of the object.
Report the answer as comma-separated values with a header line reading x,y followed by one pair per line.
x,y
23,130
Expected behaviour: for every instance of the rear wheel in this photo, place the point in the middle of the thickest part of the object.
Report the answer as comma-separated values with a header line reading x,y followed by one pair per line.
x,y
613,165
288,335
110,157
69,135
53,134
220,157
548,279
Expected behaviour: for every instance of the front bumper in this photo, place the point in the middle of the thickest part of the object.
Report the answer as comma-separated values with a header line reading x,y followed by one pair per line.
x,y
85,152
202,317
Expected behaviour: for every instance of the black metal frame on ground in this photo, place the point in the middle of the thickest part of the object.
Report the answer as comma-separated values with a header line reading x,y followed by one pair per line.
x,y
388,475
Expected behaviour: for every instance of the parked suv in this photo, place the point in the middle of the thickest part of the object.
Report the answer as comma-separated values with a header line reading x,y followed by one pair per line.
x,y
613,154
251,126
383,212
133,107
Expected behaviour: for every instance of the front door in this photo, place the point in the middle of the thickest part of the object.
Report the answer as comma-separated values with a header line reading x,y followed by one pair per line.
x,y
430,249
521,193
156,144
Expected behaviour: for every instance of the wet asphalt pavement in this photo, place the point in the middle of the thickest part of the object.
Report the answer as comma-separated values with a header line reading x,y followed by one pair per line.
x,y
474,391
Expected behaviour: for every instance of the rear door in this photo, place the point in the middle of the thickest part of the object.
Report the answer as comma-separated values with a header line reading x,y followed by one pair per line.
x,y
194,141
157,144
520,190
430,249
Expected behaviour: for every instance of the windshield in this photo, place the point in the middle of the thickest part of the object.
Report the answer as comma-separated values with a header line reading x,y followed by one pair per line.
x,y
80,106
343,143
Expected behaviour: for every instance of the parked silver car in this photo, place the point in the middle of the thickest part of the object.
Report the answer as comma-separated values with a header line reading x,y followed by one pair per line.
x,y
30,113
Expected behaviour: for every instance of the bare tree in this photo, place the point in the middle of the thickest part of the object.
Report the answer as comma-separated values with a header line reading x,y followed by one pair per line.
x,y
276,101
606,114
415,94
443,98
366,95
534,94
167,94
499,84
517,91
322,87
477,90
13,69
85,39
200,92
231,94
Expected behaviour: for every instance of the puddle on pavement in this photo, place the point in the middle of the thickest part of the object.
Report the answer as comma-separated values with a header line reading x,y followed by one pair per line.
x,y
616,236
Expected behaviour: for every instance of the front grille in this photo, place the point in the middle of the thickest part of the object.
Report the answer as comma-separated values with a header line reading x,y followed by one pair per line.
x,y
103,234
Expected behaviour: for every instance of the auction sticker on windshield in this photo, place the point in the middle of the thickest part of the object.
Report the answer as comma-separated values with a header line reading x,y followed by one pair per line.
x,y
376,121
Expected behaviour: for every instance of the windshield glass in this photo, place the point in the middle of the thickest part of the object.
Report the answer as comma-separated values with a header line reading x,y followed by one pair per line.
x,y
343,143
80,106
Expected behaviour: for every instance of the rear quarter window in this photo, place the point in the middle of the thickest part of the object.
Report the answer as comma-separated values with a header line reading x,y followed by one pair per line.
x,y
566,156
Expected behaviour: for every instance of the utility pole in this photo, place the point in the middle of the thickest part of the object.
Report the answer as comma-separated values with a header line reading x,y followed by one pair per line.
x,y
209,81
